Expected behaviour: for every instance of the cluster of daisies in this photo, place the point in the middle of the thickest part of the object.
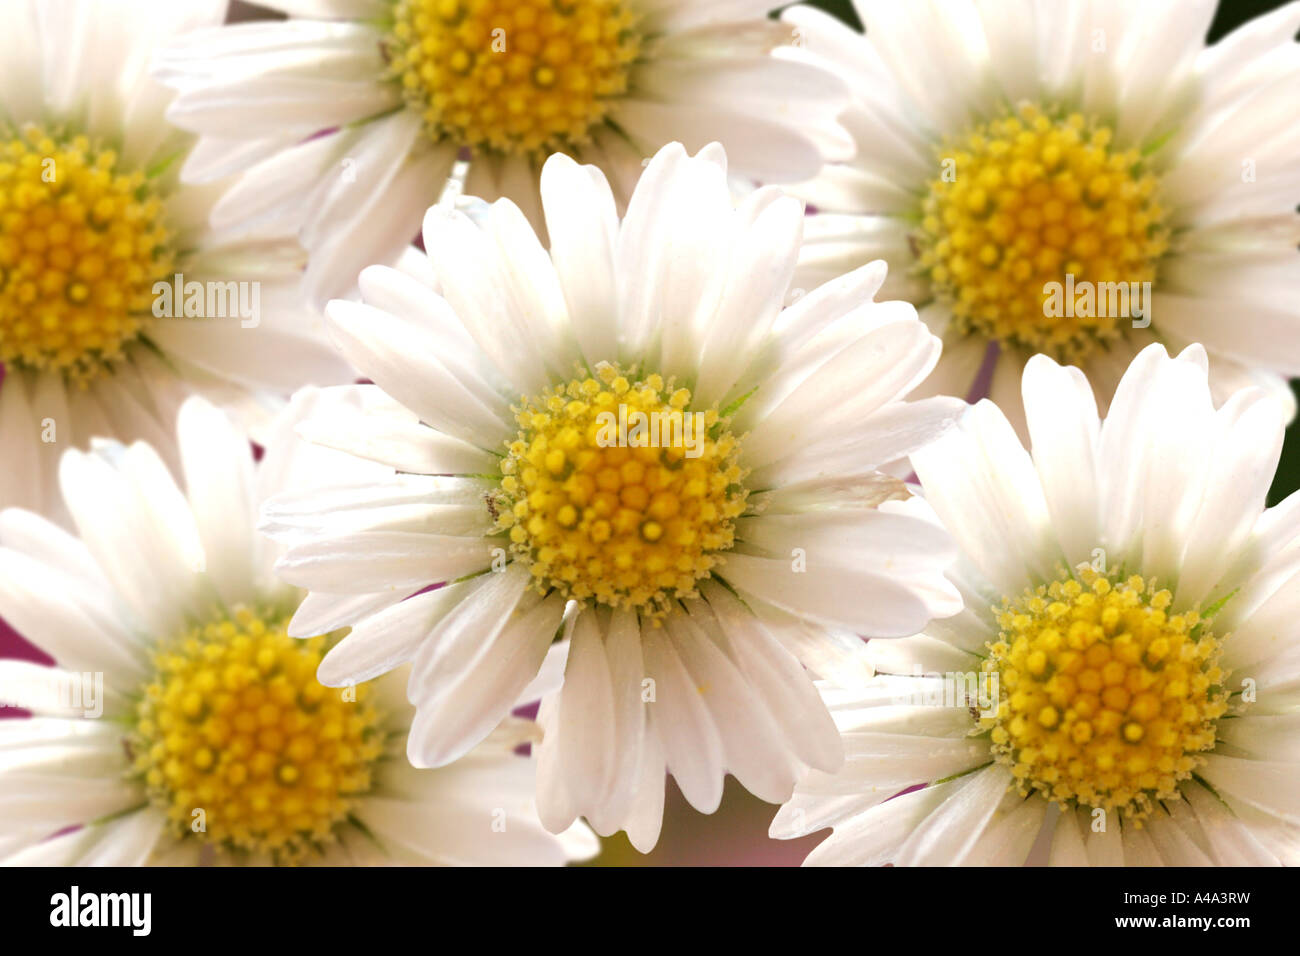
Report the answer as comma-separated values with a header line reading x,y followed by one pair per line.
x,y
298,620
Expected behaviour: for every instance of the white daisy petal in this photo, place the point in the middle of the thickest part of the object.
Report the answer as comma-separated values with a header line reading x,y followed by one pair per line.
x,y
587,711
357,563
982,483
1231,842
753,747
54,692
467,263
57,772
875,604
389,638
952,831
467,676
872,838
582,222
1268,785
127,841
378,345
692,747
219,488
1064,428
1068,847
80,634
782,683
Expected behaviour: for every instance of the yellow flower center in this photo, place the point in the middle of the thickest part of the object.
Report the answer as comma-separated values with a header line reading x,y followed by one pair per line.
x,y
615,491
81,244
1107,699
1025,201
516,76
240,745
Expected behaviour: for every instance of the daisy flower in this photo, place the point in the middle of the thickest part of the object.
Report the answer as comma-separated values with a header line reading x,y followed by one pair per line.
x,y
1124,683
97,233
1079,179
737,526
352,114
181,724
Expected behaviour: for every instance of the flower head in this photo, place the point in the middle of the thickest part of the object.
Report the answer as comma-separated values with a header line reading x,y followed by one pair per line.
x,y
1125,663
629,451
181,724
1071,179
352,120
117,298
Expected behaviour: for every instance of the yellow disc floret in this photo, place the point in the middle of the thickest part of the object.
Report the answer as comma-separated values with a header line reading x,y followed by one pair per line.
x,y
1106,698
81,244
516,76
1024,201
240,745
616,491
